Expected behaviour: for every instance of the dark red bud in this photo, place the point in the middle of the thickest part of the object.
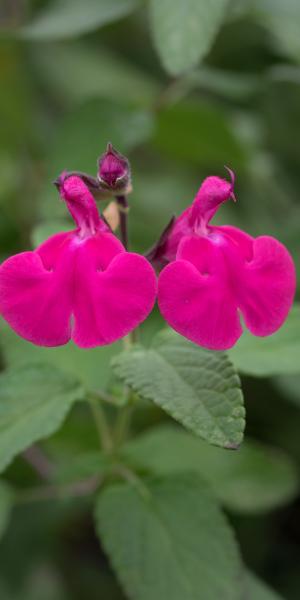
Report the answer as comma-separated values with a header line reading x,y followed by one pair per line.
x,y
114,171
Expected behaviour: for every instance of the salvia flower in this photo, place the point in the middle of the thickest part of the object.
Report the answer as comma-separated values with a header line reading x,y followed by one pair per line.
x,y
218,273
80,285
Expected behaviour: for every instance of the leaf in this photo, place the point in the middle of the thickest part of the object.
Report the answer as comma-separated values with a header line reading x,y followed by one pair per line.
x,y
277,354
183,32
198,388
198,132
91,368
258,590
254,479
101,73
168,540
68,18
34,401
6,497
227,84
282,21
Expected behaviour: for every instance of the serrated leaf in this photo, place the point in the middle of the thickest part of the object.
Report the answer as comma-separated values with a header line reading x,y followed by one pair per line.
x,y
198,388
256,589
6,497
277,354
169,540
34,400
254,479
68,18
183,32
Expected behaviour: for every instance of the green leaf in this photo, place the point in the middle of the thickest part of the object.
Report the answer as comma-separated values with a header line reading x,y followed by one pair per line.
x,y
258,590
203,135
277,354
168,539
198,388
183,32
101,73
34,401
254,479
282,21
92,367
6,497
68,18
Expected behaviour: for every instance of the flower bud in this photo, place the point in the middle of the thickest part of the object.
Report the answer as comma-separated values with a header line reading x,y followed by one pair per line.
x,y
114,172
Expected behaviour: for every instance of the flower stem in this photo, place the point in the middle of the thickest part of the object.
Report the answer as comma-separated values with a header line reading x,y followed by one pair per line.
x,y
101,423
122,424
123,208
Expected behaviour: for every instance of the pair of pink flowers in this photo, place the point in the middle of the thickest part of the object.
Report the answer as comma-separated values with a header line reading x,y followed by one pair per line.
x,y
83,285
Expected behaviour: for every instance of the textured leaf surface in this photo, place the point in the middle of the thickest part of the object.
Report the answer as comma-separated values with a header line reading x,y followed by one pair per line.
x,y
277,354
68,18
169,540
5,505
253,479
34,401
198,388
183,32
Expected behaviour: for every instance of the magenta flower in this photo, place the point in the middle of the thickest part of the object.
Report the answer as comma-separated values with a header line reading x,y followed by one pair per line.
x,y
218,273
80,285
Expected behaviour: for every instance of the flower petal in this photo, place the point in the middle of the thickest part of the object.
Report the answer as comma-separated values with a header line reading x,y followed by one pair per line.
x,y
268,286
106,290
196,299
109,304
35,301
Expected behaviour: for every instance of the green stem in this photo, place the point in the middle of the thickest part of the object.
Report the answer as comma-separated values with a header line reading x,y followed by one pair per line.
x,y
122,424
101,423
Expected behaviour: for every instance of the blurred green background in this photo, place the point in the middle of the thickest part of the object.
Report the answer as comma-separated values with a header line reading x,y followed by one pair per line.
x,y
74,75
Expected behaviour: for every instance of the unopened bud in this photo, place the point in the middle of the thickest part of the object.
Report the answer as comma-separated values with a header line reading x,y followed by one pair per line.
x,y
114,172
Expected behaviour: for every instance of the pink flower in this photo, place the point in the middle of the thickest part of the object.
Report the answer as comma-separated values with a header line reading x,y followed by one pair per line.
x,y
216,273
80,285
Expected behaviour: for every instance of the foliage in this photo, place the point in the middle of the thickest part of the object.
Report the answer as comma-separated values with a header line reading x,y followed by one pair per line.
x,y
182,88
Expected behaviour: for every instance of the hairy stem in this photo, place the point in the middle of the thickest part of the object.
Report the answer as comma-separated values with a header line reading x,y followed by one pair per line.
x,y
123,208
